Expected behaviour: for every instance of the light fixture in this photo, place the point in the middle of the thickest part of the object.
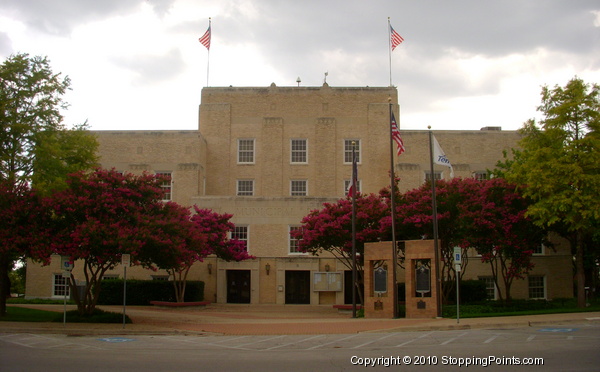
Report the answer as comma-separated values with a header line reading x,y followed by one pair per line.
x,y
298,81
327,267
268,268
209,268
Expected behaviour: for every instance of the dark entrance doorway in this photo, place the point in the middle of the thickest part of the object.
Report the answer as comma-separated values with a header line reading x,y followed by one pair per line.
x,y
238,286
297,287
348,288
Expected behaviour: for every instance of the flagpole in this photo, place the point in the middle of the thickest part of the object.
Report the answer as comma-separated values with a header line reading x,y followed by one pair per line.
x,y
390,47
208,56
354,269
393,214
435,228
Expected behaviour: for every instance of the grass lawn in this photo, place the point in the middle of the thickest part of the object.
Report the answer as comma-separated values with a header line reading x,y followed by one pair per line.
x,y
21,314
518,307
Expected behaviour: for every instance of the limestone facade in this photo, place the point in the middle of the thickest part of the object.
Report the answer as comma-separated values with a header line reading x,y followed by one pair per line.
x,y
268,156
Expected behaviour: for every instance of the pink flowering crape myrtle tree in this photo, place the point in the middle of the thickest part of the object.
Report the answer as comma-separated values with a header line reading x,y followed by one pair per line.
x,y
23,232
502,233
330,230
216,228
101,216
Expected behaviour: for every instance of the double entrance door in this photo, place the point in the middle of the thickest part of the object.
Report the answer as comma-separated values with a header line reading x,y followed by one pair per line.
x,y
297,286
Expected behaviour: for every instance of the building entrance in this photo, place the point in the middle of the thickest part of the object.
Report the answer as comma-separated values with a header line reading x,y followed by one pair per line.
x,y
297,287
238,286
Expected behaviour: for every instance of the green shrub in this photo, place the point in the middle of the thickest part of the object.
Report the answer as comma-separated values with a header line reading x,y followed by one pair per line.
x,y
471,291
141,292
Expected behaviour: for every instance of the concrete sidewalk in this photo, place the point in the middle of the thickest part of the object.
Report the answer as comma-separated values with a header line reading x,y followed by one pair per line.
x,y
231,319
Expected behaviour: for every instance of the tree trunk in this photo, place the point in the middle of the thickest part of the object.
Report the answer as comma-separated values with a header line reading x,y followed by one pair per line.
x,y
5,265
580,271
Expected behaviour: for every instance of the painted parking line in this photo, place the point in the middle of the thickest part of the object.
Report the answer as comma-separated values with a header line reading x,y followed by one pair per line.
x,y
490,339
294,343
454,338
257,342
371,342
43,342
415,339
333,342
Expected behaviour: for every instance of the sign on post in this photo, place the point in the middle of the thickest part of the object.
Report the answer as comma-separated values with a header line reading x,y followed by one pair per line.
x,y
126,260
65,263
457,258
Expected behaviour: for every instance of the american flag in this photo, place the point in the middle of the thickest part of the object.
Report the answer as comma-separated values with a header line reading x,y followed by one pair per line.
x,y
396,136
395,38
205,39
353,187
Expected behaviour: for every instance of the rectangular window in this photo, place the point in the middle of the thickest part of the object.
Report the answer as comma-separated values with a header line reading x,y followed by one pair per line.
x,y
240,232
245,188
166,185
60,286
299,153
537,287
350,144
246,151
490,287
298,188
160,277
347,185
436,174
539,250
293,242
481,176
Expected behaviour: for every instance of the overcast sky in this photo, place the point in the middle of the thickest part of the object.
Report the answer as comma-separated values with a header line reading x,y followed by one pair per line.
x,y
464,64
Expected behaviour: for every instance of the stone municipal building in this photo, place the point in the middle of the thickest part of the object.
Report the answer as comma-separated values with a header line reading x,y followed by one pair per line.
x,y
269,155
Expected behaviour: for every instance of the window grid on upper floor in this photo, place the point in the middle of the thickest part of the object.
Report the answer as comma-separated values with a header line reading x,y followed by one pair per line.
x,y
436,174
246,151
245,188
166,185
298,188
347,186
349,144
240,232
294,244
299,151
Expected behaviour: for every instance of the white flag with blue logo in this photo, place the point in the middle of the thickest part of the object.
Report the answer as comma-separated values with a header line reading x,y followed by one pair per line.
x,y
439,157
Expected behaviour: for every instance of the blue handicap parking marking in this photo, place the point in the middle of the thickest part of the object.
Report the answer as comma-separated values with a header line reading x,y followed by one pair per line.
x,y
558,330
116,339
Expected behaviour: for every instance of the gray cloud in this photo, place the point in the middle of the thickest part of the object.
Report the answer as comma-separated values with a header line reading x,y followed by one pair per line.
x,y
60,17
150,69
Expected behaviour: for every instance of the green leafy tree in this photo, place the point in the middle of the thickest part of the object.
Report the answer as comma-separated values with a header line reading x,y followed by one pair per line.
x,y
34,143
35,147
558,164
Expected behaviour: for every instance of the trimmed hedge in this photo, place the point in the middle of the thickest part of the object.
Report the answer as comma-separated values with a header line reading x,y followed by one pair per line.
x,y
141,292
471,291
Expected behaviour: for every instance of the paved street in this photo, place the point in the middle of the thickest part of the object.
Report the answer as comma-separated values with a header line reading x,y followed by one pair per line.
x,y
574,347
224,337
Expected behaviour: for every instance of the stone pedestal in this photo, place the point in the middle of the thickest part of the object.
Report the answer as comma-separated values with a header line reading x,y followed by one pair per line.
x,y
421,279
379,281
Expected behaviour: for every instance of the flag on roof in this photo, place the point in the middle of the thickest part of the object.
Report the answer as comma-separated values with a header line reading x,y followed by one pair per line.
x,y
205,39
395,38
